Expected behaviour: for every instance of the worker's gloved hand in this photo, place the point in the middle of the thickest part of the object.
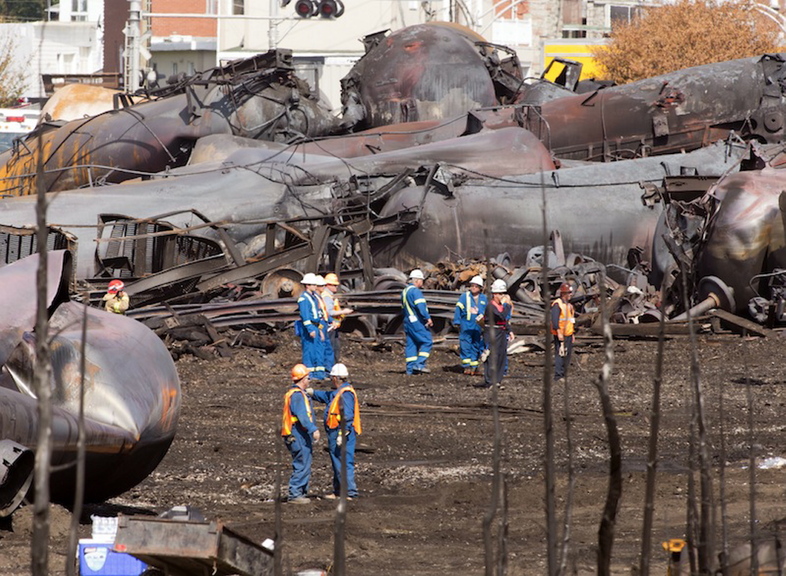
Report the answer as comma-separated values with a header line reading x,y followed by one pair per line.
x,y
289,439
340,439
316,436
312,334
563,351
310,391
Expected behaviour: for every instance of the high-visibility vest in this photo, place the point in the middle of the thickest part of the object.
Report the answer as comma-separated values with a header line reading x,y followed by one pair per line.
x,y
322,307
336,305
334,412
567,318
288,419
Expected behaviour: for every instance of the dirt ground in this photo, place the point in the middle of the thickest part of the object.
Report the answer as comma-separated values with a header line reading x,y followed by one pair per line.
x,y
424,460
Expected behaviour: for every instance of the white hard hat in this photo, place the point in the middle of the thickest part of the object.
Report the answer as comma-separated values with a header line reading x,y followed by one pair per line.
x,y
499,286
416,274
309,278
319,280
476,280
339,370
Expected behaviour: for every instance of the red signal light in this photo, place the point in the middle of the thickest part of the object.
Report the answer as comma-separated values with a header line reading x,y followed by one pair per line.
x,y
306,8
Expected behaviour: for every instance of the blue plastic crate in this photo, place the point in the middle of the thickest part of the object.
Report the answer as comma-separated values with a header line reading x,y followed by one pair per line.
x,y
97,558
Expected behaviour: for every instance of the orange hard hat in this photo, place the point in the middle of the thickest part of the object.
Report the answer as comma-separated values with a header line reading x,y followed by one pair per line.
x,y
299,371
565,288
331,279
115,286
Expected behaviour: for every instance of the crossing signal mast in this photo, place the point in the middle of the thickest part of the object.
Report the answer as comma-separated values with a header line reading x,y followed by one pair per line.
x,y
323,8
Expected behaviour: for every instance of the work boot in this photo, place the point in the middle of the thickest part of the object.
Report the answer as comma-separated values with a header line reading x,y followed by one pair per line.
x,y
468,372
330,496
300,500
423,370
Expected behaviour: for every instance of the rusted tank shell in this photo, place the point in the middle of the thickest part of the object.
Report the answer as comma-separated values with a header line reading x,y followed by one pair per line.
x,y
132,392
78,101
149,137
597,209
422,72
113,146
746,235
674,112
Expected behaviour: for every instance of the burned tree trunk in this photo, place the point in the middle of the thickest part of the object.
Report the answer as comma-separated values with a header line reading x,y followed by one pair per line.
x,y
652,457
607,524
41,378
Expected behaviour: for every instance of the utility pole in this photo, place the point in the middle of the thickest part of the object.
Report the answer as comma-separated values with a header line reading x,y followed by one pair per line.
x,y
131,68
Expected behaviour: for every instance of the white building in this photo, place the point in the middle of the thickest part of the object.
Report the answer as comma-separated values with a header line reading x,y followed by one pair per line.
x,y
53,48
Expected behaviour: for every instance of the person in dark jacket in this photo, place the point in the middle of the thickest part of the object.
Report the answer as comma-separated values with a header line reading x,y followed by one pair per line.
x,y
498,334
563,324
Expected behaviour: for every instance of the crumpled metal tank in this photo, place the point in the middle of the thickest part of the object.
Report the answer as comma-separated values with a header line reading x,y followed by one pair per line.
x,y
259,97
132,391
746,235
426,72
598,210
675,112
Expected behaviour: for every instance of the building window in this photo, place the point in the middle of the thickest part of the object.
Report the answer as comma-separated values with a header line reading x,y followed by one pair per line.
x,y
211,7
238,7
622,14
78,10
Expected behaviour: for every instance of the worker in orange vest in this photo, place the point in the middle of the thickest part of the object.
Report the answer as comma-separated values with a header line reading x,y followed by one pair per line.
x,y
563,325
342,424
298,430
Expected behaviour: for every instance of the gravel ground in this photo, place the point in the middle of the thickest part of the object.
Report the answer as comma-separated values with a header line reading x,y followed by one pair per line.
x,y
425,458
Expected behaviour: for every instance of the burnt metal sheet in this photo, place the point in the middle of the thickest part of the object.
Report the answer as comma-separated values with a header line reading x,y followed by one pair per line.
x,y
217,147
492,153
185,547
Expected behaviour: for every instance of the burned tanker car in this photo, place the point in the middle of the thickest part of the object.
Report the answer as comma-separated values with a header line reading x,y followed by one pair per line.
x,y
445,158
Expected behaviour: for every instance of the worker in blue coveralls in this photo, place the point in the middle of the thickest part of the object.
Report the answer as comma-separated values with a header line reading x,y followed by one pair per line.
x,y
309,328
325,323
469,313
299,430
342,402
417,322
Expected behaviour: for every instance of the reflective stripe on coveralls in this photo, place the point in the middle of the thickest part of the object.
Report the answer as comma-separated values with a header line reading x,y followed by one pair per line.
x,y
410,313
334,414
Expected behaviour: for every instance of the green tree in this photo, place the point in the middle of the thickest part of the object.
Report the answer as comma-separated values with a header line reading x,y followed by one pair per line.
x,y
12,78
22,10
688,33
